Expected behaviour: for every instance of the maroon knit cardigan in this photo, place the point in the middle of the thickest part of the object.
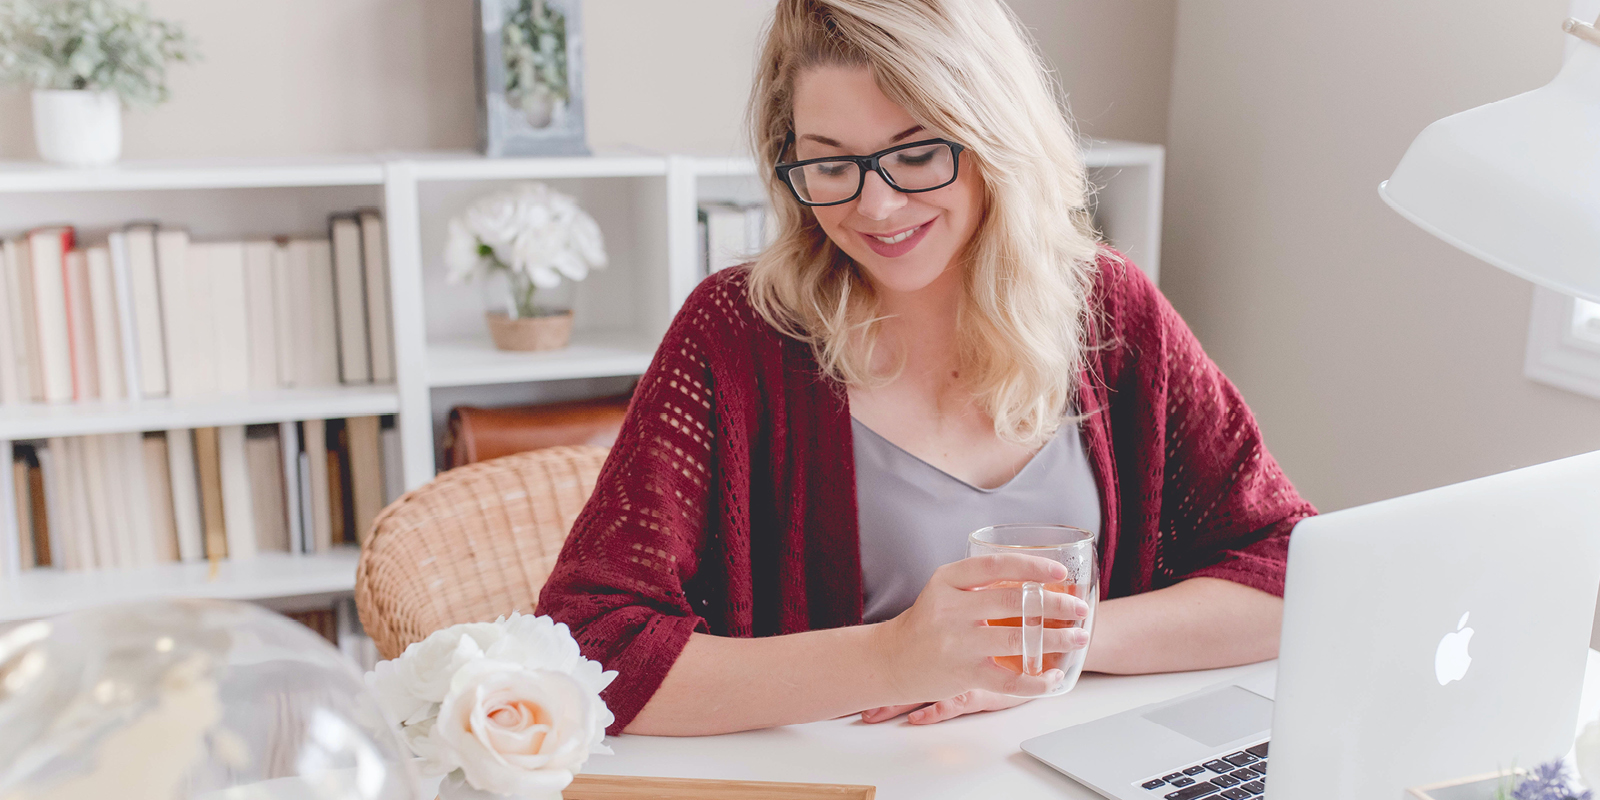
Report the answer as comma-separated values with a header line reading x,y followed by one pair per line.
x,y
728,503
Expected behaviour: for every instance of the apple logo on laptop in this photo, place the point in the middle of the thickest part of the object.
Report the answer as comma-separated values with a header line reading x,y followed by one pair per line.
x,y
1451,661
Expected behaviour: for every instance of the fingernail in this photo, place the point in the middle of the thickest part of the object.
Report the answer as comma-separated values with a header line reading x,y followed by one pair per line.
x,y
1056,676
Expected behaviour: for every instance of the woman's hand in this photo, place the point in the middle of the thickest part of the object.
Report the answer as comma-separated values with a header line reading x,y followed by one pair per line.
x,y
943,647
928,713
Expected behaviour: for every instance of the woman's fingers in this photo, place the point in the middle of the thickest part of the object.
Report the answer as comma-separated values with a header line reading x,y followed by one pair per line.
x,y
886,713
971,702
1007,641
1003,602
980,571
1000,680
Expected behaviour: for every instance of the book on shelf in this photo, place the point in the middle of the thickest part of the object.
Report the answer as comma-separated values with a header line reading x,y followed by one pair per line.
x,y
130,500
394,482
374,260
152,312
148,326
732,233
47,251
107,325
350,290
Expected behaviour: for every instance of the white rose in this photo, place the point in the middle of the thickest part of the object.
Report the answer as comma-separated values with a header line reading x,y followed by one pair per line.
x,y
461,252
519,731
495,218
420,677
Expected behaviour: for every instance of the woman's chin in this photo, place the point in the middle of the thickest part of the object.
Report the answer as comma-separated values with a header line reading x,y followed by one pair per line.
x,y
901,276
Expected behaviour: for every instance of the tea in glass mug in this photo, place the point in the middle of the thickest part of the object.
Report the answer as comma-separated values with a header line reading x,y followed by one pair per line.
x,y
1073,548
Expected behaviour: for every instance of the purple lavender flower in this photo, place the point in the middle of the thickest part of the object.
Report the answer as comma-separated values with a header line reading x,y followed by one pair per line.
x,y
1548,782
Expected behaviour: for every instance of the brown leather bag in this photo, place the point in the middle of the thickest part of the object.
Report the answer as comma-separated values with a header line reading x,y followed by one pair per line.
x,y
479,434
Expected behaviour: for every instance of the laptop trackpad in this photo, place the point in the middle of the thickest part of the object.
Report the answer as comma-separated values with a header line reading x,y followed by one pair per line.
x,y
1216,718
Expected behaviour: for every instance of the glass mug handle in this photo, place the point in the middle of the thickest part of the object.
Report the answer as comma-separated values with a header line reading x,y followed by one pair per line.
x,y
1032,628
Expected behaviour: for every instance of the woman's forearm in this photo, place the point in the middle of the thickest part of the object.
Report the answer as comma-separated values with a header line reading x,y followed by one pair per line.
x,y
722,685
1200,623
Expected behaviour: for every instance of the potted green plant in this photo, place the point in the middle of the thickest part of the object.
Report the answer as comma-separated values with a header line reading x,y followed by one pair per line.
x,y
84,60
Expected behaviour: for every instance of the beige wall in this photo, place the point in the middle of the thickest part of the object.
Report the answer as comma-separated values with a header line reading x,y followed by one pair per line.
x,y
297,77
1379,360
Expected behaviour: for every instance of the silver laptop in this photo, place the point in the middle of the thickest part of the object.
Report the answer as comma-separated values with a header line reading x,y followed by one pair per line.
x,y
1434,636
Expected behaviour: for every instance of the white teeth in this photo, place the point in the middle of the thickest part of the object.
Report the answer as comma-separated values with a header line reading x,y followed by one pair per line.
x,y
898,238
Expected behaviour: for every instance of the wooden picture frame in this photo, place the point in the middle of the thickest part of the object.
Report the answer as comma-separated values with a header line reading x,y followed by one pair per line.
x,y
628,787
530,77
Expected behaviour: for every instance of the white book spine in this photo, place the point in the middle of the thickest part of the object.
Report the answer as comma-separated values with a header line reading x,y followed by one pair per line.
x,y
50,314
230,317
172,261
136,490
150,329
19,319
10,388
80,316
289,438
261,306
374,260
324,353
203,347
94,547
127,327
350,292
284,318
106,463
316,445
185,495
107,328
238,508
62,554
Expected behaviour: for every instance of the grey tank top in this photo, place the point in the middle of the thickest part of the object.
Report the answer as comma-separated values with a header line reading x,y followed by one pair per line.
x,y
914,517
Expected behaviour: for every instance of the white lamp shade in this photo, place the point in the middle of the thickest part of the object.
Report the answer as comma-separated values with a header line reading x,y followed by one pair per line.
x,y
1516,183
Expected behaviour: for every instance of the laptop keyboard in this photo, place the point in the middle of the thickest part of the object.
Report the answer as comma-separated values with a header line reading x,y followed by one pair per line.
x,y
1239,775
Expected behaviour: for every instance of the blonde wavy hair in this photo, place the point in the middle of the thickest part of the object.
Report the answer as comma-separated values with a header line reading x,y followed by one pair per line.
x,y
964,68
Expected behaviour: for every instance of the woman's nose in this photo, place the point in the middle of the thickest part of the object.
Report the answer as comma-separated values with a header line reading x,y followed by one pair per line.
x,y
878,199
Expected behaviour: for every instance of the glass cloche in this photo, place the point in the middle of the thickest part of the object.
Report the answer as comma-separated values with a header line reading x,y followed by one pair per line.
x,y
181,699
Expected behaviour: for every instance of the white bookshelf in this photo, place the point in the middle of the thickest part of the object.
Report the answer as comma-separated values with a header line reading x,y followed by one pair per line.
x,y
646,207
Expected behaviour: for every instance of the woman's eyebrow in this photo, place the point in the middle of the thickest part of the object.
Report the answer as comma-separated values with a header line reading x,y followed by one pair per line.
x,y
834,143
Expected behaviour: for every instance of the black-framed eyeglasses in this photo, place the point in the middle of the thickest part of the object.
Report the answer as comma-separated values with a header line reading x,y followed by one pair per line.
x,y
910,168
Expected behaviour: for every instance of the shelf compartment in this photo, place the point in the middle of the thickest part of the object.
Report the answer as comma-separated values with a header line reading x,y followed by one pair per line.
x,y
44,420
39,593
593,354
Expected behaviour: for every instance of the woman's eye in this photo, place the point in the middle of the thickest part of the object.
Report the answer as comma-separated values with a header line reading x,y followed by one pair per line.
x,y
915,160
832,170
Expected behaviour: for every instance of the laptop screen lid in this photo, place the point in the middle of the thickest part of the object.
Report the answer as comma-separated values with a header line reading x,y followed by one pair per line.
x,y
1438,635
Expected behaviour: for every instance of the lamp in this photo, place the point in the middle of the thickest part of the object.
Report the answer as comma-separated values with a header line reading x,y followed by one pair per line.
x,y
1516,183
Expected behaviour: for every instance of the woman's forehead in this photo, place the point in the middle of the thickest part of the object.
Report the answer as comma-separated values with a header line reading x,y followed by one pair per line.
x,y
842,108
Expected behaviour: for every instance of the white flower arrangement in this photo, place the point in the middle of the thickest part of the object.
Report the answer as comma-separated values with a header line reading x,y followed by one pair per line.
x,y
509,707
535,234
96,45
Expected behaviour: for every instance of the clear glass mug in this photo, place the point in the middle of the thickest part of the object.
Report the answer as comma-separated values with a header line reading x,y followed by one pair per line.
x,y
1073,548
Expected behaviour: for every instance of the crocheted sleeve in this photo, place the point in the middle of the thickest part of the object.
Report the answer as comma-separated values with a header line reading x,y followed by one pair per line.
x,y
619,583
1225,508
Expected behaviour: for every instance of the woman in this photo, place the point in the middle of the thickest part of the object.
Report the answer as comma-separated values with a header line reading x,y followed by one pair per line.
x,y
778,535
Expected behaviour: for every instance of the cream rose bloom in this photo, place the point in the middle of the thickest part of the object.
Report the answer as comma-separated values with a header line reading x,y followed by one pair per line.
x,y
519,731
532,229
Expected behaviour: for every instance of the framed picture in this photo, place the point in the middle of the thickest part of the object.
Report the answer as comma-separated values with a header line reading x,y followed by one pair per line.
x,y
530,77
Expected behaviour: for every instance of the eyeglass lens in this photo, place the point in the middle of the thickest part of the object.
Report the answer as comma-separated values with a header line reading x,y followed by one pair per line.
x,y
915,168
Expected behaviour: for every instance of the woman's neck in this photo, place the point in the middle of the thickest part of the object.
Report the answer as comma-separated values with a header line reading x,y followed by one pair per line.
x,y
921,326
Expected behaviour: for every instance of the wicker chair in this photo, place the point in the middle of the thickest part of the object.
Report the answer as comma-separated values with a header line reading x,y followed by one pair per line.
x,y
473,544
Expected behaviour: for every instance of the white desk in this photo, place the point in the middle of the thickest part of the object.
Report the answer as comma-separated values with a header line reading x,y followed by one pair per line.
x,y
975,756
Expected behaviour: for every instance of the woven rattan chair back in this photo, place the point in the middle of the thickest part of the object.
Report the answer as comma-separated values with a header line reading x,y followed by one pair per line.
x,y
474,543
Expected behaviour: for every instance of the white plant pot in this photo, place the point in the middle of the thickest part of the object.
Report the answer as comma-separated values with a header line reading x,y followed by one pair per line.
x,y
76,127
